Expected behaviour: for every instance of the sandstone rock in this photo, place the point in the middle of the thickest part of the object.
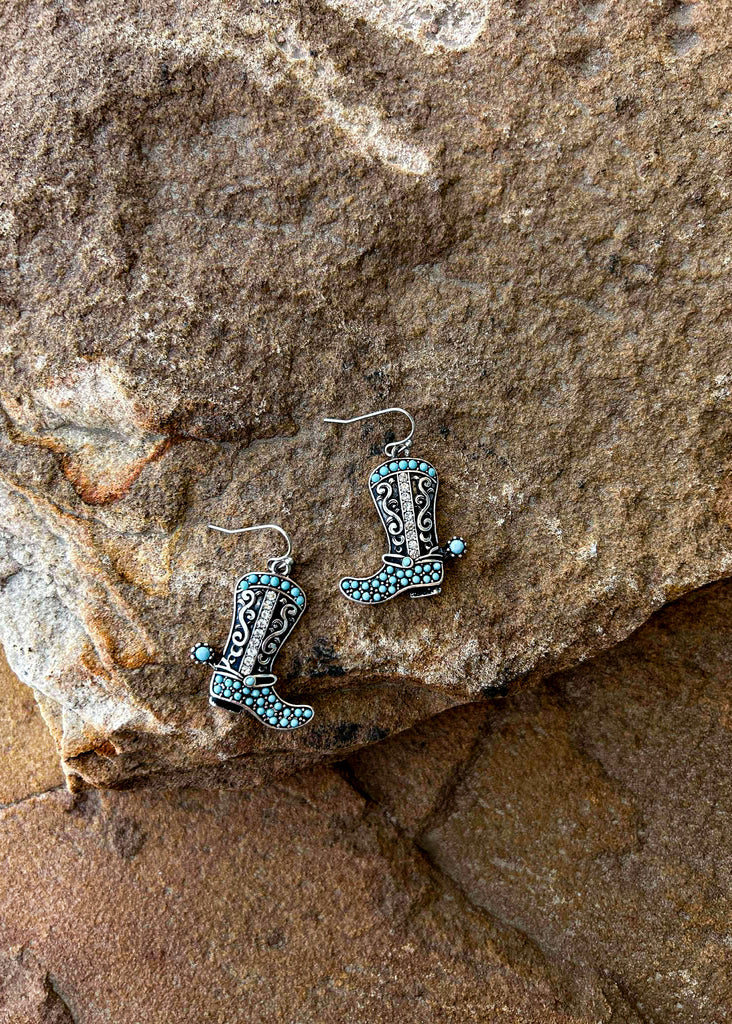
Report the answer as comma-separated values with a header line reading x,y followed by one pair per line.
x,y
594,813
296,903
409,774
220,225
28,759
27,995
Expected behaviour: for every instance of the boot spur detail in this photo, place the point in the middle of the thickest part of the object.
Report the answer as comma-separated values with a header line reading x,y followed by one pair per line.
x,y
404,491
267,607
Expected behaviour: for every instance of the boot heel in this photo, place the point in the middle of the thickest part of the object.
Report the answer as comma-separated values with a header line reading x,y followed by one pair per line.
x,y
425,592
227,705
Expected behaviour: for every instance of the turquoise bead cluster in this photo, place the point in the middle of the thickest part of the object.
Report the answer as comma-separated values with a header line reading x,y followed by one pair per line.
x,y
402,464
391,580
263,701
267,580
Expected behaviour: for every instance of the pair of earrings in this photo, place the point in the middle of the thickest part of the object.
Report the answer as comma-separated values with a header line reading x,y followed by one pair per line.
x,y
268,605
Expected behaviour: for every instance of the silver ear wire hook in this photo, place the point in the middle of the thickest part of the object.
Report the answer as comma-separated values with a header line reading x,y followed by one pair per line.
x,y
281,563
393,448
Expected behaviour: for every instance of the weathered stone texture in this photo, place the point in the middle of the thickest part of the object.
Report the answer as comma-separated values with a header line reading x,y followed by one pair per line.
x,y
28,758
221,223
293,904
594,814
558,857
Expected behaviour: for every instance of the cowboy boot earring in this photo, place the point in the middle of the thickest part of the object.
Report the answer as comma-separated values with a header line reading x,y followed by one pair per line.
x,y
404,491
267,607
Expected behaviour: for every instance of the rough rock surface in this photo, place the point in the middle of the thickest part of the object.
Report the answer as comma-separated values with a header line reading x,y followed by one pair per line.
x,y
294,904
594,814
221,222
562,857
28,759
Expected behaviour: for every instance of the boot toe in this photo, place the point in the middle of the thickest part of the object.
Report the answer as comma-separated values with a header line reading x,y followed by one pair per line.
x,y
283,716
289,717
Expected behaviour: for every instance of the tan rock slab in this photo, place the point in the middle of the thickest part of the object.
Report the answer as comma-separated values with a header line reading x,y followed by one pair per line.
x,y
295,903
595,815
28,757
221,223
410,775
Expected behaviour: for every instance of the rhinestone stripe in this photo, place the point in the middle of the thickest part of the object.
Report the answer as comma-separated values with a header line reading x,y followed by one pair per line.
x,y
255,640
410,527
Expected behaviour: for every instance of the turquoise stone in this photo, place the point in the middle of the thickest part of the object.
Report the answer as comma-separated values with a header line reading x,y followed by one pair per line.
x,y
265,578
408,573
375,478
307,712
252,578
424,467
218,679
382,576
393,466
384,470
285,584
227,693
260,702
271,698
202,653
418,569
403,582
272,720
250,680
403,464
274,581
300,600
357,595
390,570
298,712
412,463
278,706
246,689
377,597
255,693
400,574
457,546
432,471
392,590
382,589
346,584
295,592
406,561
365,597
283,721
364,584
437,565
217,688
265,691
243,585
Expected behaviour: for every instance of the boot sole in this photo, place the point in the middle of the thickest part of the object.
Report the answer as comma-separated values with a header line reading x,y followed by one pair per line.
x,y
424,593
227,705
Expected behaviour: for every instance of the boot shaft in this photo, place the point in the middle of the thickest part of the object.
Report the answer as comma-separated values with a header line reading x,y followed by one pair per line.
x,y
405,494
267,607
